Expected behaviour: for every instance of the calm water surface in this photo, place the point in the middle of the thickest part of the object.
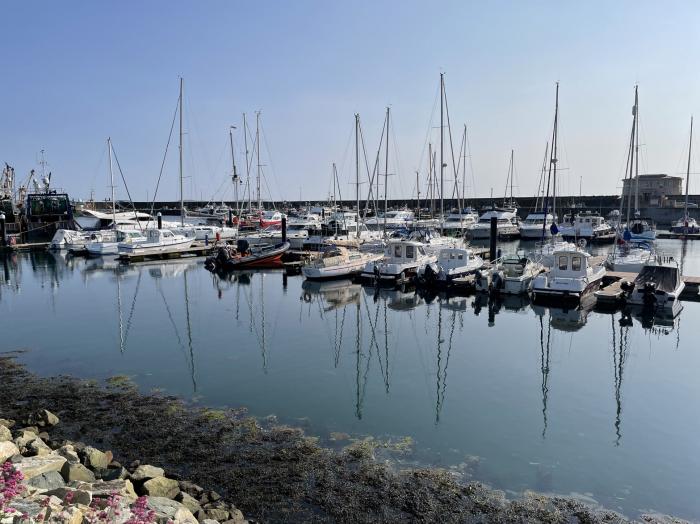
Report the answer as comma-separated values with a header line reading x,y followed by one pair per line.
x,y
530,397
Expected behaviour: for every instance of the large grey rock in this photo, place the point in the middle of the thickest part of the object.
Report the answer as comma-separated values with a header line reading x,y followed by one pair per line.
x,y
48,481
161,487
37,448
27,507
33,466
77,472
7,449
96,459
146,472
113,473
42,418
77,496
24,437
188,501
5,433
103,489
170,510
69,453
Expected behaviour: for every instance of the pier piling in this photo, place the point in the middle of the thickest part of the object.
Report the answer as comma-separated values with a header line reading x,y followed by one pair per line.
x,y
284,229
3,236
493,238
160,220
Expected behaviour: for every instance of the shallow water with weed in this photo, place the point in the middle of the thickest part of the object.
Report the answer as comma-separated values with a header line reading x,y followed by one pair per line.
x,y
518,396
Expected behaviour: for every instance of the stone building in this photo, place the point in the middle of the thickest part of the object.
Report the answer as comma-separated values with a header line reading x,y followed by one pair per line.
x,y
655,190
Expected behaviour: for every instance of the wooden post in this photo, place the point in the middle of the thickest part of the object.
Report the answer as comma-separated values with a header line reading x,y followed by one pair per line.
x,y
493,238
3,234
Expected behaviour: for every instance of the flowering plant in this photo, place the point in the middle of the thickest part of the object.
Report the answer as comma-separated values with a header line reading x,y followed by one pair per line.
x,y
10,487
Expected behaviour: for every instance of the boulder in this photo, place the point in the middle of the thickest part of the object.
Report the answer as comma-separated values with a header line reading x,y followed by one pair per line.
x,y
23,437
146,472
160,487
77,496
95,459
220,514
73,472
113,473
71,515
47,481
5,433
188,501
104,489
34,466
191,488
37,448
208,521
170,510
28,507
42,418
68,452
236,516
7,449
7,422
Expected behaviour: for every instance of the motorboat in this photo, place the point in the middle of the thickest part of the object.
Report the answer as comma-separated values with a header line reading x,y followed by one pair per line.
x,y
213,232
69,239
270,218
686,226
244,256
513,274
111,242
392,219
451,263
658,285
628,258
338,262
401,261
506,225
537,226
157,241
432,240
588,225
457,222
353,234
572,277
545,251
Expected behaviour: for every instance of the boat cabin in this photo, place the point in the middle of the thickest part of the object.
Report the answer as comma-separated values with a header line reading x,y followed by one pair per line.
x,y
570,264
404,251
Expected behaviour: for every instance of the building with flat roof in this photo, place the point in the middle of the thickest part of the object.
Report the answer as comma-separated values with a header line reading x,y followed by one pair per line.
x,y
654,189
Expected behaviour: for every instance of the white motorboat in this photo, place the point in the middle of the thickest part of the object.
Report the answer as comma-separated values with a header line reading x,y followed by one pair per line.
x,y
401,260
338,262
69,239
451,263
456,223
110,242
353,234
536,226
157,241
570,279
506,225
513,274
433,241
686,226
628,258
392,219
586,225
658,285
545,252
212,232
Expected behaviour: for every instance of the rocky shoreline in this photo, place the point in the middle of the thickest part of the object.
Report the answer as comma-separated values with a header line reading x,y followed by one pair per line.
x,y
127,455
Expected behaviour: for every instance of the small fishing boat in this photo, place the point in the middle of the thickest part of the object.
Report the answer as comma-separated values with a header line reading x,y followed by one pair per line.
x,y
506,225
244,256
457,222
107,243
451,263
338,262
401,260
588,225
156,241
536,226
658,285
270,218
570,279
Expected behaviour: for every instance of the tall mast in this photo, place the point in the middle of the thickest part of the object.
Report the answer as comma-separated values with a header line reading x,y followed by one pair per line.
x,y
631,158
512,169
247,162
111,182
418,193
636,152
464,172
182,198
235,173
442,160
430,180
553,159
687,176
333,174
386,168
357,172
257,151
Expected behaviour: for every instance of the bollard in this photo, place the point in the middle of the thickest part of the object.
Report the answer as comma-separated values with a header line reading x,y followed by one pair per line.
x,y
284,229
160,220
230,217
3,235
493,238
206,239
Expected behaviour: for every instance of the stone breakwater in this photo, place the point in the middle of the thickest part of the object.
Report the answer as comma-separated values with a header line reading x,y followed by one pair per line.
x,y
56,480
273,473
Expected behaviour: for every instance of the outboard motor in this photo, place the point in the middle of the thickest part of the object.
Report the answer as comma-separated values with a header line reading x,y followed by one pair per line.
x,y
242,245
648,294
627,286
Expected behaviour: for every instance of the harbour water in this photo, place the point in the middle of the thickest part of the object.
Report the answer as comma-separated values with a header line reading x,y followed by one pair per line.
x,y
520,397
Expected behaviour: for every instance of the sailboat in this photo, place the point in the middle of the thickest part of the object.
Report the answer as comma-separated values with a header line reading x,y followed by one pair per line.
x,y
626,254
687,225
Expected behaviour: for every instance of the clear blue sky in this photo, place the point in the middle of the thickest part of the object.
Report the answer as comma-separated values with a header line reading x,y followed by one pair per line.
x,y
77,72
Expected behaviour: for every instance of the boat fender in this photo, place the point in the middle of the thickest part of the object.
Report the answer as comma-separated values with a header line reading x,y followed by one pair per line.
x,y
307,296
